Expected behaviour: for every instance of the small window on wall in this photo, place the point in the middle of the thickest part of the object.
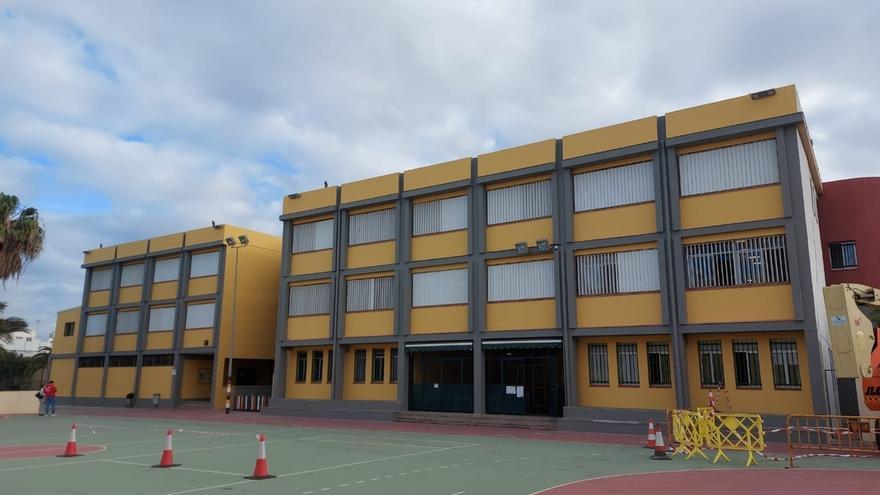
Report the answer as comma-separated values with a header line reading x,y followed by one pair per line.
x,y
519,203
132,275
166,270
158,360
313,236
378,365
375,226
162,319
711,365
91,362
731,167
745,364
610,187
96,324
69,328
200,315
618,273
628,365
317,366
330,366
597,356
302,365
101,279
204,264
306,300
440,288
786,370
394,357
843,255
658,364
123,361
522,281
441,215
360,365
127,321
370,294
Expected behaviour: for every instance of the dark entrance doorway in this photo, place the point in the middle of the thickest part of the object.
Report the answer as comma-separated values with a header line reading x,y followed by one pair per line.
x,y
441,381
524,381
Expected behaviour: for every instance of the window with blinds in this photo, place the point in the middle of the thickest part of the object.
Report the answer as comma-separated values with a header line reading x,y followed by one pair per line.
x,y
440,288
597,357
370,294
752,261
166,270
521,281
618,273
628,365
517,203
132,275
711,365
101,279
375,226
843,255
161,319
313,236
746,367
732,167
784,358
127,321
442,215
618,186
204,264
659,374
200,315
96,324
309,300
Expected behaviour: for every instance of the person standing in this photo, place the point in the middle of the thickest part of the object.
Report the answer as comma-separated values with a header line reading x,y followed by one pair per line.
x,y
41,397
49,391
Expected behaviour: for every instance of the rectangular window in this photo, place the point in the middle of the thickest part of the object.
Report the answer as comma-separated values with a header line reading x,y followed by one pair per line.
x,y
518,203
302,365
101,278
597,355
440,288
200,315
746,367
309,300
313,236
628,365
158,360
128,321
204,264
843,255
375,226
737,262
123,361
330,366
317,366
522,281
96,324
394,357
360,365
610,187
91,362
618,273
658,365
786,370
441,215
161,319
132,275
370,294
711,367
69,328
731,167
378,365
166,270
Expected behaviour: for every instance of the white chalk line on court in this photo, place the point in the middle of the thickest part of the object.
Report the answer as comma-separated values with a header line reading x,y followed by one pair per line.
x,y
177,468
359,442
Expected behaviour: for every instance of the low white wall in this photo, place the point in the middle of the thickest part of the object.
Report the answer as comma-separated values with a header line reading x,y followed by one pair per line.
x,y
19,402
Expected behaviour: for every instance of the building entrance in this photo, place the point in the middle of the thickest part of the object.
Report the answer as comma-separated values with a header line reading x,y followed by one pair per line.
x,y
524,381
441,381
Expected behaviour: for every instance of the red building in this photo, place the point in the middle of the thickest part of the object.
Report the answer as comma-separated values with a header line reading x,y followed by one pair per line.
x,y
849,221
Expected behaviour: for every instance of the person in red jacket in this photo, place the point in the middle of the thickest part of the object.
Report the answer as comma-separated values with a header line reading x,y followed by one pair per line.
x,y
49,391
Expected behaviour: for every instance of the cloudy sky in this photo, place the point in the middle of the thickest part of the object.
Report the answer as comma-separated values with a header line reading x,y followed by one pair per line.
x,y
125,120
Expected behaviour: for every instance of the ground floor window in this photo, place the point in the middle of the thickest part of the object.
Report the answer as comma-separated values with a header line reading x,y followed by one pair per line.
x,y
628,365
746,365
302,364
378,365
658,364
317,366
711,365
360,365
786,370
597,355
394,365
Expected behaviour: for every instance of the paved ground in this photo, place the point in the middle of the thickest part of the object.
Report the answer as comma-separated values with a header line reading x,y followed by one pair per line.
x,y
316,457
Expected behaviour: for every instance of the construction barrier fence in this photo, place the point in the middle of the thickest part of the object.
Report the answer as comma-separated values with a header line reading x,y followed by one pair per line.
x,y
706,428
840,436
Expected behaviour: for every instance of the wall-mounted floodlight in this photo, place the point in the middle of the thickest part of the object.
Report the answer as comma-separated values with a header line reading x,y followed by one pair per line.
x,y
293,196
243,239
763,94
230,241
522,248
543,246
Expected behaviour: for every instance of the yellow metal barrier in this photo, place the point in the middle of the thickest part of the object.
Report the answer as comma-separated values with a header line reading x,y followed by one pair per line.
x,y
721,431
688,429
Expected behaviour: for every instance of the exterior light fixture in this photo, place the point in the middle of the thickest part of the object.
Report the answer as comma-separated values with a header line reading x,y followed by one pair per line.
x,y
522,248
230,241
295,195
243,240
763,94
543,246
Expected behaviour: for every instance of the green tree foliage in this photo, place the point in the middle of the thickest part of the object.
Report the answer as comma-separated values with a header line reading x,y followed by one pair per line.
x,y
21,236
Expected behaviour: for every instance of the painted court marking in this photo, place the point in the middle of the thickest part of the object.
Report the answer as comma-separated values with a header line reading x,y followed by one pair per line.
x,y
35,451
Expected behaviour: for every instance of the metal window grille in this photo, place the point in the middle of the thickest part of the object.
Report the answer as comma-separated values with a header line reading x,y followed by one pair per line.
x,y
394,357
521,281
101,279
658,364
96,324
158,360
330,366
618,273
317,366
517,203
360,365
375,226
128,321
378,365
313,236
751,261
627,364
746,366
309,300
732,167
123,361
442,215
204,264
612,187
91,362
786,370
302,365
132,275
166,270
711,365
843,254
200,315
370,294
69,328
440,288
597,354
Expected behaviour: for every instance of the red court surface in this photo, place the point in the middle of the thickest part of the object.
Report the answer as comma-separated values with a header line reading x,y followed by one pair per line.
x,y
724,482
33,451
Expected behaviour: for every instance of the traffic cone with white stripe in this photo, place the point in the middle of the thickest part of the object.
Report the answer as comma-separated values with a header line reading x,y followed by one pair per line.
x,y
652,437
70,450
660,448
261,469
167,460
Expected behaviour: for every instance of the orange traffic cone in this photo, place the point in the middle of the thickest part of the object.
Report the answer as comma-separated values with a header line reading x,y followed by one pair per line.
x,y
70,450
167,460
660,448
261,469
652,437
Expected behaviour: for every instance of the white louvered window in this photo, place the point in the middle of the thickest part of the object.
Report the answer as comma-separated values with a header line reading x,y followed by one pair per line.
x,y
127,321
517,203
166,270
618,186
200,315
440,288
313,236
96,324
161,319
132,275
101,279
618,273
370,294
733,167
442,215
204,264
521,281
375,226
309,300
753,261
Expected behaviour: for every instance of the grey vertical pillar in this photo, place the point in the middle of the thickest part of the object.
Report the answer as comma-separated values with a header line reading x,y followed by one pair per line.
x,y
143,321
279,374
479,376
402,374
179,323
81,334
339,352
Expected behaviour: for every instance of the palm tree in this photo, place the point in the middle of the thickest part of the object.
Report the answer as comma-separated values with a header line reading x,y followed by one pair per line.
x,y
8,326
39,362
21,236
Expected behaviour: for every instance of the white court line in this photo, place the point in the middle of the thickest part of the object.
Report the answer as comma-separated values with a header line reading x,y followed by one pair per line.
x,y
397,438
178,468
331,440
458,493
